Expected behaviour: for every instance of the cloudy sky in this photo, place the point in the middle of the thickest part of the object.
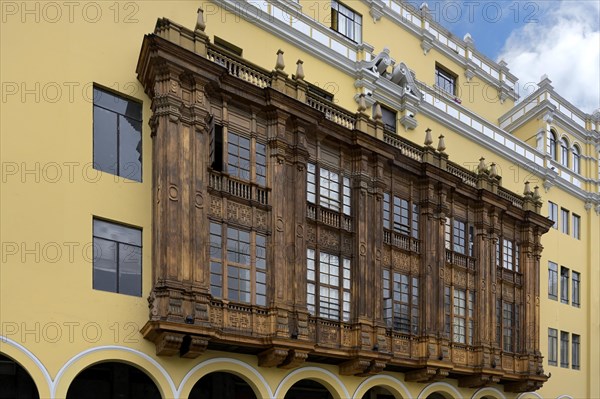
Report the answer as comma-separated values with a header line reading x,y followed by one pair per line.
x,y
559,38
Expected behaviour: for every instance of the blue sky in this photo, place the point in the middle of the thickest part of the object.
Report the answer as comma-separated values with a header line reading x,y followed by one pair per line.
x,y
559,38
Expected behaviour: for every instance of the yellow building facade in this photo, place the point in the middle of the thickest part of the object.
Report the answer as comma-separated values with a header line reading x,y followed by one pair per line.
x,y
60,198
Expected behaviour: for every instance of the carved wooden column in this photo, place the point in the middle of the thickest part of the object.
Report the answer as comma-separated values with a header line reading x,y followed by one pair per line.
x,y
297,253
282,218
429,225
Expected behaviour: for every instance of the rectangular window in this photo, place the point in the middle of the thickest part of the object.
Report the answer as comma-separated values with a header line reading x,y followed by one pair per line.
x,y
575,343
117,135
400,216
564,284
507,326
401,301
552,280
564,223
117,258
507,254
576,226
261,164
470,314
389,119
447,314
328,285
328,187
552,347
346,21
459,234
445,80
238,156
459,315
553,213
576,278
564,349
242,254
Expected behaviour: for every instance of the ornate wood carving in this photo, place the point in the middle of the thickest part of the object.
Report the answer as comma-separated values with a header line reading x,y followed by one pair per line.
x,y
185,319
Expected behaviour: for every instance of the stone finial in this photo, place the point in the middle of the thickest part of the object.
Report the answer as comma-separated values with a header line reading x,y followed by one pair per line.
x,y
279,65
428,138
536,193
362,104
377,114
468,39
493,171
482,167
527,190
441,144
200,24
299,70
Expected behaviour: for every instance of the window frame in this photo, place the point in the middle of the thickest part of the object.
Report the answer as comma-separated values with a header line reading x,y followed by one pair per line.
x,y
576,164
459,315
445,79
114,96
551,140
552,346
576,226
126,229
316,286
552,280
401,291
565,274
459,239
564,152
389,114
575,289
221,157
315,190
564,349
575,351
553,214
565,216
222,264
352,18
400,215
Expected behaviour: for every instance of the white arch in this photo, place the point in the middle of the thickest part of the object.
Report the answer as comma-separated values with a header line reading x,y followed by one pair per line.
x,y
492,391
565,397
521,396
115,348
316,369
396,382
432,388
224,360
33,358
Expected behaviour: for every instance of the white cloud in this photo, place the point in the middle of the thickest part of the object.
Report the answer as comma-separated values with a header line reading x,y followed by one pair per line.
x,y
565,45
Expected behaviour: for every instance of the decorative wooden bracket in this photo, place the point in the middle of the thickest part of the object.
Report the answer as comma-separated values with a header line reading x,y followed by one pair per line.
x,y
362,367
426,374
478,380
282,358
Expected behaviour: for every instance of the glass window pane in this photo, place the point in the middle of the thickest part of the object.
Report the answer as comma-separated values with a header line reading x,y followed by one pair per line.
x,y
130,270
105,265
115,232
130,148
105,140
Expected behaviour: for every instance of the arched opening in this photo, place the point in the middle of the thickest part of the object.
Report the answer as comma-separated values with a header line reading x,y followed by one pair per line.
x,y
378,393
308,389
551,144
576,159
221,385
15,382
112,380
564,152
